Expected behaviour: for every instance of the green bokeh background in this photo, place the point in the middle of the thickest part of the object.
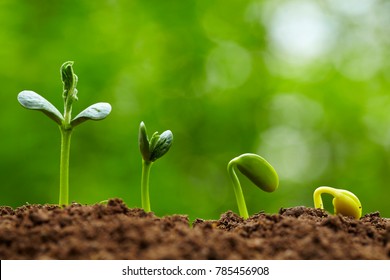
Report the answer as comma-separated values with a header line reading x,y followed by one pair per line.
x,y
303,83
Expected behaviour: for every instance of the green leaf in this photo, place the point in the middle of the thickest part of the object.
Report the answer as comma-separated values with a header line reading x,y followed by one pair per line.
x,y
33,101
259,171
94,112
162,145
143,142
153,142
69,79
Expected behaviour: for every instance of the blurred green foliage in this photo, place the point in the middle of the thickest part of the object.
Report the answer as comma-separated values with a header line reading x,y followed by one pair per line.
x,y
305,84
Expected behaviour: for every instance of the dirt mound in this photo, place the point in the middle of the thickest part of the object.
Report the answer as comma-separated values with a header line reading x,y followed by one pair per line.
x,y
114,231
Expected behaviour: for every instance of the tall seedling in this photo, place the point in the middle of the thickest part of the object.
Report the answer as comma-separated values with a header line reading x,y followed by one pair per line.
x,y
31,100
151,150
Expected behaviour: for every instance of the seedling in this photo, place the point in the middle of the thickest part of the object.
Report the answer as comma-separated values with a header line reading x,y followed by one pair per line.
x,y
98,111
256,169
151,150
344,202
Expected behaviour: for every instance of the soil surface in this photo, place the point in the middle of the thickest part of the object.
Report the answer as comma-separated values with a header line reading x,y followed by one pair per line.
x,y
114,231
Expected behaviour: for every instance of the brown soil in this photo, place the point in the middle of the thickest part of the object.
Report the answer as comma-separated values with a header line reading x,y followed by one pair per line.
x,y
114,231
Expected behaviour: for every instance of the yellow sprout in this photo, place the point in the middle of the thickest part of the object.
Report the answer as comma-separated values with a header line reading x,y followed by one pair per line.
x,y
344,202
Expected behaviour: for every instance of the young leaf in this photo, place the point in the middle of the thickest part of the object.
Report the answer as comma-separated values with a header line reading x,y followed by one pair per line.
x,y
259,171
162,145
33,101
94,112
152,143
69,79
143,142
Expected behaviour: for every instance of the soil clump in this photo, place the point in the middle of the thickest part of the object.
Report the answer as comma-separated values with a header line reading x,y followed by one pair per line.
x,y
114,231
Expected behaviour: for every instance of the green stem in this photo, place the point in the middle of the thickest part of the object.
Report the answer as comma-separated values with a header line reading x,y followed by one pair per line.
x,y
146,165
238,191
64,166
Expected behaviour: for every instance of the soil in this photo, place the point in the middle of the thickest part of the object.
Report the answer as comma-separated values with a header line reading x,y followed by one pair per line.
x,y
114,231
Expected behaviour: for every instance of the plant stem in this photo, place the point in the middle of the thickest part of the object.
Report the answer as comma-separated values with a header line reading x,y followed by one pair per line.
x,y
317,196
66,133
238,191
146,165
64,166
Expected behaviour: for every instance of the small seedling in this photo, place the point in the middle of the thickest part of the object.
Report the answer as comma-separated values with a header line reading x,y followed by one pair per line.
x,y
151,150
344,202
98,111
256,169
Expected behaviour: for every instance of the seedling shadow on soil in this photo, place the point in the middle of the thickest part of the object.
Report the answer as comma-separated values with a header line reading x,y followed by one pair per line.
x,y
114,231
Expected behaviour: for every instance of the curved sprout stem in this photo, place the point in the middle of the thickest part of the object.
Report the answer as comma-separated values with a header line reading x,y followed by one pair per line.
x,y
317,195
238,190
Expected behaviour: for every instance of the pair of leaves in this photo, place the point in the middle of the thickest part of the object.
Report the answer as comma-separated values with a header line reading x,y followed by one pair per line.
x,y
158,145
33,101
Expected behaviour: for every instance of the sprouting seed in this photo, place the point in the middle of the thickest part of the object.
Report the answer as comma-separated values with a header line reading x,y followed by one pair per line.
x,y
256,169
151,150
344,202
